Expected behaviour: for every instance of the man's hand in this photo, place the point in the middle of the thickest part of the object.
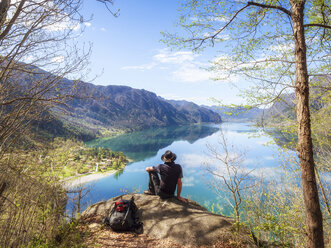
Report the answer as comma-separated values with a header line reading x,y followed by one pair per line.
x,y
182,199
149,169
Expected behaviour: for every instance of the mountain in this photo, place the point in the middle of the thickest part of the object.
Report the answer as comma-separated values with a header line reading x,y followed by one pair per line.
x,y
284,108
193,111
98,110
123,107
237,114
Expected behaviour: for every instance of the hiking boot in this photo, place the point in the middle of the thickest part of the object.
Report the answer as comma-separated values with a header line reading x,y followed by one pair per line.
x,y
148,192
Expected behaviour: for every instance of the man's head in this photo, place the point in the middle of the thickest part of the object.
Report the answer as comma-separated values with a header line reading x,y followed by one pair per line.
x,y
168,156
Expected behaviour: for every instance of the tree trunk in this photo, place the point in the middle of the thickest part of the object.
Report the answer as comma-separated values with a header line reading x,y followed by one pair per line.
x,y
3,186
314,221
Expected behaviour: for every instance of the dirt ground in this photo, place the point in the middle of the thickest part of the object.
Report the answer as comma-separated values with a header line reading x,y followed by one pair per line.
x,y
100,236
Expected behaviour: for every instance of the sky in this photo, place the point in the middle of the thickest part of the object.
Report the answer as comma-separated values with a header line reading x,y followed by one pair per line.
x,y
127,51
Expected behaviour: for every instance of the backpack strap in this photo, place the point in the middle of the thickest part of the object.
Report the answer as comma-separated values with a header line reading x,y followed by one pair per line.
x,y
126,214
138,225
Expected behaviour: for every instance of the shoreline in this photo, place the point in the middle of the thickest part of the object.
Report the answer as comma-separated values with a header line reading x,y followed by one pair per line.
x,y
70,183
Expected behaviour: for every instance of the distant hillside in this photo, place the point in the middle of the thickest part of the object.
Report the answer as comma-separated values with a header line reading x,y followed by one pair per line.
x,y
123,107
237,114
194,112
284,108
100,109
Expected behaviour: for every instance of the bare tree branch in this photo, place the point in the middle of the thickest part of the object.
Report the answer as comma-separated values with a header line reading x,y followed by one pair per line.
x,y
317,25
267,6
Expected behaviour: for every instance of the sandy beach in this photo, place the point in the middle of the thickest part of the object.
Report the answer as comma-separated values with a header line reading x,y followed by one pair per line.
x,y
70,183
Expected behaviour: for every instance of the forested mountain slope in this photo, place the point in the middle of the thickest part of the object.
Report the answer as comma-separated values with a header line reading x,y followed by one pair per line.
x,y
97,109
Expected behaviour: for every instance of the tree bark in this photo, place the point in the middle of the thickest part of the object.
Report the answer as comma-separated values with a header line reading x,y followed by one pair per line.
x,y
3,186
314,221
4,5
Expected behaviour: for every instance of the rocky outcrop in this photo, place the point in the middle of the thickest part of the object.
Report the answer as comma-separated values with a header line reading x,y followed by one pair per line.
x,y
182,223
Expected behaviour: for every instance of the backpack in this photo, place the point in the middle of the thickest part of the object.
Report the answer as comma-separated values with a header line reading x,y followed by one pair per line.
x,y
123,216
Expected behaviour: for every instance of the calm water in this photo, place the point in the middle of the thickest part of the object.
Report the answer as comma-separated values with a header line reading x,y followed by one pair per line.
x,y
190,144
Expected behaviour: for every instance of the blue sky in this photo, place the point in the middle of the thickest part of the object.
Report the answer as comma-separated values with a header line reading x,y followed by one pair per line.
x,y
126,51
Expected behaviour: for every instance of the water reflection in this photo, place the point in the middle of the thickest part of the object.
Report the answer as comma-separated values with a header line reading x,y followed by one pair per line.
x,y
144,144
189,143
118,173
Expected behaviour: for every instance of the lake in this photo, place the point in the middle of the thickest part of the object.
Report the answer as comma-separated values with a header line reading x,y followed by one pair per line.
x,y
190,144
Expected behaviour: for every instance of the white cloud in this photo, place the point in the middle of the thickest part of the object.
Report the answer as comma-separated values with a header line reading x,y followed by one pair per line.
x,y
249,161
189,69
188,181
221,19
59,26
193,160
29,58
224,65
103,29
186,67
285,47
269,158
87,24
51,23
165,56
267,172
225,37
211,19
191,73
58,59
140,67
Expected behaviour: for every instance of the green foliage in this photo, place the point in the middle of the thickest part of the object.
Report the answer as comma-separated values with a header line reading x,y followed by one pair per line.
x,y
133,190
70,158
259,40
276,217
275,209
284,127
214,208
68,235
253,43
33,201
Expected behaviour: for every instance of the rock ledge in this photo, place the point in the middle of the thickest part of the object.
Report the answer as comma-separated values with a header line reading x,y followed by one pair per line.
x,y
183,223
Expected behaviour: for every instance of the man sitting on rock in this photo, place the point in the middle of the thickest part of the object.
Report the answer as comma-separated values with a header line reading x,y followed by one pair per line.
x,y
171,175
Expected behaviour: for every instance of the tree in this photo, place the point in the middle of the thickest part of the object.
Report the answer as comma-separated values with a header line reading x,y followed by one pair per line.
x,y
34,34
228,174
279,44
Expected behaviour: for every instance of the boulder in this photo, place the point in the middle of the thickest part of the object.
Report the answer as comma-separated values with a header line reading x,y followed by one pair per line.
x,y
184,223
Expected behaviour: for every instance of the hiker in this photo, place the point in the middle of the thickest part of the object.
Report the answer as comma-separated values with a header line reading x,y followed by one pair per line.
x,y
171,175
